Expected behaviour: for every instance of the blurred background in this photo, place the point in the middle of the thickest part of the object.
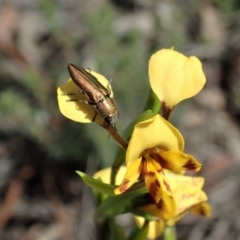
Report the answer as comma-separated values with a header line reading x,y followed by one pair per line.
x,y
41,197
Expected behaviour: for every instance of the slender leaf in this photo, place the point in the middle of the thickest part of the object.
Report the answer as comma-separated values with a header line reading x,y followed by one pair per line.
x,y
113,206
96,184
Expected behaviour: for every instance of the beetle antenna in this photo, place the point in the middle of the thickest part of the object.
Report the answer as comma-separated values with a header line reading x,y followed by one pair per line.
x,y
109,84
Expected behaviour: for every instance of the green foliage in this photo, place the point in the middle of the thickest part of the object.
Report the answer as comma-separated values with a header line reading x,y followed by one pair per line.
x,y
96,184
118,204
140,233
10,105
115,232
227,6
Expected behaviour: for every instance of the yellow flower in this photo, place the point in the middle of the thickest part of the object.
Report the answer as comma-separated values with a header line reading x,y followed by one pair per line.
x,y
75,110
155,144
105,175
175,77
188,197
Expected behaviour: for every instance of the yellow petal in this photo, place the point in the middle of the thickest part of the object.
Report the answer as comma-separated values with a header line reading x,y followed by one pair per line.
x,y
203,209
187,197
185,200
186,190
178,161
175,77
105,175
176,181
154,132
155,227
164,210
78,111
131,176
173,221
155,181
167,207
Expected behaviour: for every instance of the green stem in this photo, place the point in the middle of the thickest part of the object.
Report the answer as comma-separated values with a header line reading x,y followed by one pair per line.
x,y
170,233
152,103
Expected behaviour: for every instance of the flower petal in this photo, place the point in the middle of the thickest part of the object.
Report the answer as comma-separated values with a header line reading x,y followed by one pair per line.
x,y
175,77
185,200
203,209
164,210
187,191
131,176
155,227
75,110
155,180
167,207
154,132
187,196
176,181
105,175
178,161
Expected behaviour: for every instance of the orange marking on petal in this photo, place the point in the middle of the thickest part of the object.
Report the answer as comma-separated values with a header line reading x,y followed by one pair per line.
x,y
143,166
153,188
202,212
167,186
161,205
150,174
124,186
144,169
157,183
190,166
161,161
157,158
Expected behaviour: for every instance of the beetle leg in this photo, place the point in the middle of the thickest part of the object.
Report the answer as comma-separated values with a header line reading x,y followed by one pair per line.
x,y
95,115
83,101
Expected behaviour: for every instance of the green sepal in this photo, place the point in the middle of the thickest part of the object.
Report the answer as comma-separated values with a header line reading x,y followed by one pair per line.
x,y
118,204
140,233
153,103
96,184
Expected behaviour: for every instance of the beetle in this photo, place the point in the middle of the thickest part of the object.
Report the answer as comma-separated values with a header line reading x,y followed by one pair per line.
x,y
98,95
